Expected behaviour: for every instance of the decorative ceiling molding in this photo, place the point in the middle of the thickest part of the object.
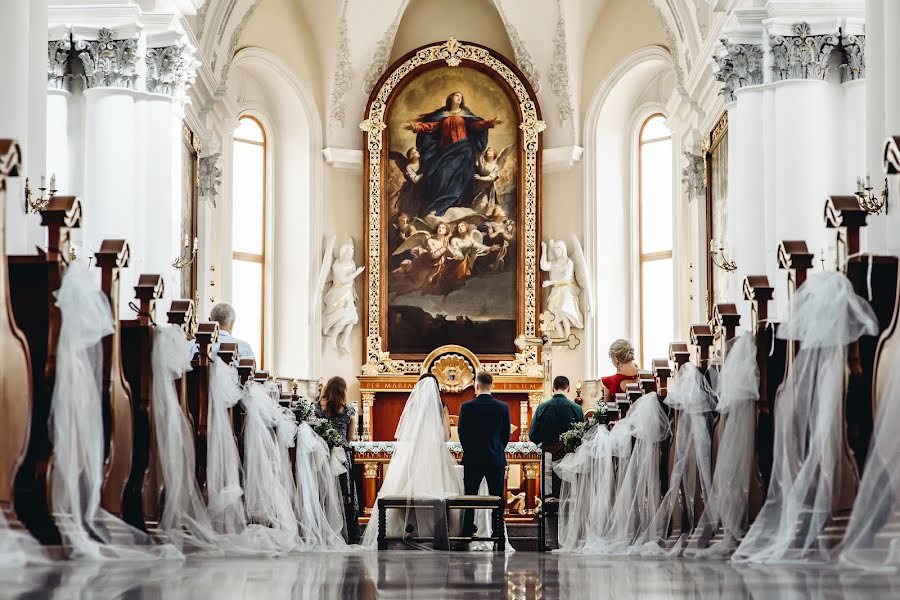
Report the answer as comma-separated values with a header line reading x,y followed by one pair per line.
x,y
674,46
559,69
381,58
343,158
342,80
236,38
563,158
523,57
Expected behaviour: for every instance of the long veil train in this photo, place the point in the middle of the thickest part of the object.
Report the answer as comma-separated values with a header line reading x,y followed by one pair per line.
x,y
421,468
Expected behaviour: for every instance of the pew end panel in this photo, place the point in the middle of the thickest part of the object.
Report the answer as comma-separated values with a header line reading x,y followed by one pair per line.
x,y
15,368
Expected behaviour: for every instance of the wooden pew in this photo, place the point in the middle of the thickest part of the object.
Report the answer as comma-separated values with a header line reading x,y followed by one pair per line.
x,y
117,418
702,340
15,367
797,260
727,320
137,351
245,368
32,281
679,354
181,314
874,277
198,393
647,382
759,293
662,372
846,215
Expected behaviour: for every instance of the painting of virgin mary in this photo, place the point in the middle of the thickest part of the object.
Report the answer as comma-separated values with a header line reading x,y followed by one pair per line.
x,y
449,140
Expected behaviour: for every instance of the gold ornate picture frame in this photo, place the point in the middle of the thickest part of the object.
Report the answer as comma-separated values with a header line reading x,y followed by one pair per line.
x,y
378,359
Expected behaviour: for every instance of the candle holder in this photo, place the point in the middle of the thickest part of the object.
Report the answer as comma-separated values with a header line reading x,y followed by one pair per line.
x,y
867,200
719,258
36,205
188,255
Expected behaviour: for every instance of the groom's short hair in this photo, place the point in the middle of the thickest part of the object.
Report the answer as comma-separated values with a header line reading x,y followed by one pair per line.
x,y
560,382
484,380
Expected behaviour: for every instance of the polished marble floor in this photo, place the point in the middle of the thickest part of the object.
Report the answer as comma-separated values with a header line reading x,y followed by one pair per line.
x,y
432,575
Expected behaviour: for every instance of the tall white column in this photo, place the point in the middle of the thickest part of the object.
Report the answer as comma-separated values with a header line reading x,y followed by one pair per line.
x,y
876,231
159,230
109,175
746,191
14,105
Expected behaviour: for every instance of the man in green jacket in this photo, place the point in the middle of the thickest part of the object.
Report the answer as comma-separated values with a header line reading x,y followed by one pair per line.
x,y
554,416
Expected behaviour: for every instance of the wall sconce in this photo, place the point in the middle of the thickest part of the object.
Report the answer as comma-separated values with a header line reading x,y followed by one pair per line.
x,y
719,258
188,255
36,205
869,201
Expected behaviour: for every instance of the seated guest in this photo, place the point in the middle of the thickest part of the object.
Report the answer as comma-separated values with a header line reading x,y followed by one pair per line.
x,y
554,416
621,353
332,405
223,314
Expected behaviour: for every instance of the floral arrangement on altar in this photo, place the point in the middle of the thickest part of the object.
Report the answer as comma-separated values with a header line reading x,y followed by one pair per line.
x,y
303,410
571,439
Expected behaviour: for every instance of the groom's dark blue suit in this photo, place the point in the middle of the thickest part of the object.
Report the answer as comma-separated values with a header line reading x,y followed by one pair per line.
x,y
483,433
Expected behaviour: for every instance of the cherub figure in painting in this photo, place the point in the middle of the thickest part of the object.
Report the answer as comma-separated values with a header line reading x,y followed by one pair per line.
x,y
487,171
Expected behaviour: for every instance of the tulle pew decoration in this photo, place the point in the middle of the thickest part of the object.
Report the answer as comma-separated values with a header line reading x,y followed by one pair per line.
x,y
318,503
738,392
825,316
693,398
77,429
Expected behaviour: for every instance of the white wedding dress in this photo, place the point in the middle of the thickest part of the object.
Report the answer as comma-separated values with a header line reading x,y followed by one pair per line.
x,y
421,468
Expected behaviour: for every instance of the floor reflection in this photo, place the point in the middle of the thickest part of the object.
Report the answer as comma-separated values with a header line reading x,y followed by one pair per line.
x,y
407,574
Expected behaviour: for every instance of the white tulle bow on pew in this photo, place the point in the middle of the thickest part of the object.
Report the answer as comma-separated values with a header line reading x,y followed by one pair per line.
x,y
692,395
825,316
268,500
318,503
616,506
872,540
77,430
738,393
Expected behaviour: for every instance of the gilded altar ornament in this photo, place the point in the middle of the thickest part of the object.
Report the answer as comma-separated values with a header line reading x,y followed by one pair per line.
x,y
453,372
339,313
378,360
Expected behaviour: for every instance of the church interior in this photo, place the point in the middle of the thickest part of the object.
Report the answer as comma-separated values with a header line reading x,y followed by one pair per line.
x,y
243,238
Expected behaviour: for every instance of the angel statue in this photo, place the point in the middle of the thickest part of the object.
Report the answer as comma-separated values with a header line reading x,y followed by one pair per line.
x,y
487,170
339,311
565,275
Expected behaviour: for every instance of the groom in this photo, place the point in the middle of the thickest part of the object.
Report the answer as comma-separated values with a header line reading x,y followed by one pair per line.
x,y
483,433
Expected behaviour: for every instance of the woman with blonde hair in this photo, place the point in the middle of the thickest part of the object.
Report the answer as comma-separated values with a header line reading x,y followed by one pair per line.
x,y
621,353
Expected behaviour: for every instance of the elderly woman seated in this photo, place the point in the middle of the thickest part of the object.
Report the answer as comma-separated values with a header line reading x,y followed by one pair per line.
x,y
621,353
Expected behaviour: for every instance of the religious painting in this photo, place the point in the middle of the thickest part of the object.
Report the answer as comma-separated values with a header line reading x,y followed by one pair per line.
x,y
453,209
190,178
716,157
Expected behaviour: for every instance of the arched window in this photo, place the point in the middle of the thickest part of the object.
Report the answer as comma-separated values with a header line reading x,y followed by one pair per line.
x,y
248,235
655,238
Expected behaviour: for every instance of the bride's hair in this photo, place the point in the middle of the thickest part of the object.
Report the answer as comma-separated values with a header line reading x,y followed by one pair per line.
x,y
428,376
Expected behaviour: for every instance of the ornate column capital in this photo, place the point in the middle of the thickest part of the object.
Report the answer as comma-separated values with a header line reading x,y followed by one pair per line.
x,y
693,176
854,63
802,55
170,69
58,72
532,470
108,62
210,178
741,65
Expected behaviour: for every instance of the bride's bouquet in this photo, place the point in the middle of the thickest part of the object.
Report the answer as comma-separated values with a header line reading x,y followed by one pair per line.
x,y
304,411
571,439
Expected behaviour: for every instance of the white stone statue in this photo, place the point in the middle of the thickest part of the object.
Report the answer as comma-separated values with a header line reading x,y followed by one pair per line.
x,y
339,313
567,280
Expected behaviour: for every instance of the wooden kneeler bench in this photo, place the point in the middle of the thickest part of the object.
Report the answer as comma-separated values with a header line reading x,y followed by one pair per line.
x,y
492,503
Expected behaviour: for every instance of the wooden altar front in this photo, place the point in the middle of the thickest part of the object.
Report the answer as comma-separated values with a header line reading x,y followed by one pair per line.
x,y
383,397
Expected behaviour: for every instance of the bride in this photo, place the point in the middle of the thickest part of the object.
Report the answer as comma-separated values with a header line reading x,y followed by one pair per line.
x,y
421,468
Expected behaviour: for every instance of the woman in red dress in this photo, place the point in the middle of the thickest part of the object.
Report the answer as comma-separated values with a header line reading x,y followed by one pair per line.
x,y
621,353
